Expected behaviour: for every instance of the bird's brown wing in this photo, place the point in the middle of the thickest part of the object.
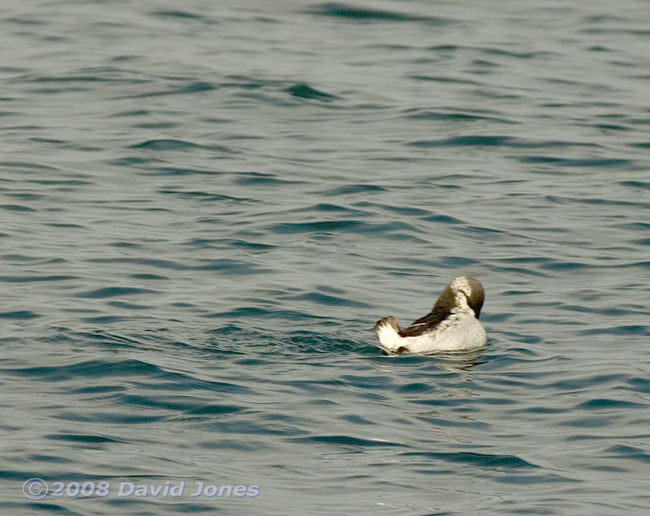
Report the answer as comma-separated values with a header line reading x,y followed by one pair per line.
x,y
427,323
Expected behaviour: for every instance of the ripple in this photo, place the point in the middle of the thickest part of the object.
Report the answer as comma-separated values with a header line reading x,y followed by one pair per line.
x,y
214,410
307,92
223,265
349,11
618,330
262,179
166,144
106,292
629,452
204,196
643,185
35,279
346,441
601,404
89,368
454,116
109,418
19,314
497,141
16,207
354,189
481,460
338,226
80,438
327,300
178,13
257,312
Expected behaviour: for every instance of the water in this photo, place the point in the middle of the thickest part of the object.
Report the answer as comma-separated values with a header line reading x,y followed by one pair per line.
x,y
205,207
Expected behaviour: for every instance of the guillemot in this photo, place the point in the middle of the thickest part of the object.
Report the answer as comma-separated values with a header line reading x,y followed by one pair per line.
x,y
452,324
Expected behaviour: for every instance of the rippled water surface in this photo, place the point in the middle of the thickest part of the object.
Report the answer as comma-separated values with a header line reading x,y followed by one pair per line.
x,y
205,206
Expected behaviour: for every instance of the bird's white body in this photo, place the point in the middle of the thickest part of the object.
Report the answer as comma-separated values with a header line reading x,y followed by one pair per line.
x,y
459,332
452,325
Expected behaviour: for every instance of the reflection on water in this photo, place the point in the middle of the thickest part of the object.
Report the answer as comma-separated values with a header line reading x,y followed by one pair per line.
x,y
452,361
455,362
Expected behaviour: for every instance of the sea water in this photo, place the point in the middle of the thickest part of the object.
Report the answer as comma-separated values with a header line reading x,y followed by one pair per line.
x,y
205,206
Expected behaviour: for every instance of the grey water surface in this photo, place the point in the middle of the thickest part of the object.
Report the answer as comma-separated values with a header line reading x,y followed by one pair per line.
x,y
205,206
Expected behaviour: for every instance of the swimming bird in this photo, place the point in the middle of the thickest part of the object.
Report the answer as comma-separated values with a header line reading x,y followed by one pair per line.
x,y
452,324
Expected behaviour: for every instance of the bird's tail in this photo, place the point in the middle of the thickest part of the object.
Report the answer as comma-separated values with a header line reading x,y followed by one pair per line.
x,y
387,330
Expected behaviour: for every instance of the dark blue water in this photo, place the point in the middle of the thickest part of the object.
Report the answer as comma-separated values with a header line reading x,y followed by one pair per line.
x,y
205,206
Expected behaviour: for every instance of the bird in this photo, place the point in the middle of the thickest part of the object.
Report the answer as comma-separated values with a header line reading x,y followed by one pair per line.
x,y
452,324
